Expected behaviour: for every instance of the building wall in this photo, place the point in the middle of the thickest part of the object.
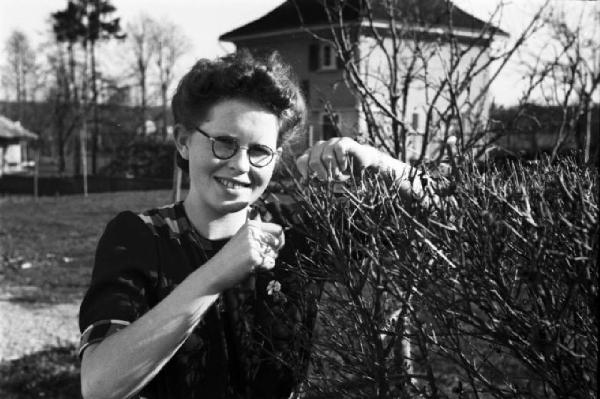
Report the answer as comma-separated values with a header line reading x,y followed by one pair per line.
x,y
13,157
429,71
320,86
323,86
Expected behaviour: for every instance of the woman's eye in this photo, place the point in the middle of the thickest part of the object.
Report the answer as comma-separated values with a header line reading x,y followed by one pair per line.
x,y
259,151
227,142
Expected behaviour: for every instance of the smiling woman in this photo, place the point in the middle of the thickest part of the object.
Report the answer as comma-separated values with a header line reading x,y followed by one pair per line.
x,y
166,315
199,298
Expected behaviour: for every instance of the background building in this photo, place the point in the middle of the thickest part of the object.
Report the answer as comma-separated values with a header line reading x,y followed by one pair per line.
x,y
301,32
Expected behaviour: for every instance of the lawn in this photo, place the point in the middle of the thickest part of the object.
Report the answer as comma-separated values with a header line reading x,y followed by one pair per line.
x,y
46,254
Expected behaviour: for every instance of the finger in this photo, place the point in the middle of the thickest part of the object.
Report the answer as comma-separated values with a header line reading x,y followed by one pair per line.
x,y
363,156
329,158
254,229
315,164
281,240
271,228
270,252
265,257
341,157
270,241
302,164
268,263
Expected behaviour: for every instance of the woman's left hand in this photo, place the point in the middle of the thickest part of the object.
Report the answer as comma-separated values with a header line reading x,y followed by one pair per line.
x,y
331,159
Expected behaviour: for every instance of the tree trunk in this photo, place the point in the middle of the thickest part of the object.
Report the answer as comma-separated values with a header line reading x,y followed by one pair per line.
x,y
77,154
95,129
165,109
144,110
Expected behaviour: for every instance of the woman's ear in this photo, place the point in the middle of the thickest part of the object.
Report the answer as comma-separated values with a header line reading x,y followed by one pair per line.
x,y
181,136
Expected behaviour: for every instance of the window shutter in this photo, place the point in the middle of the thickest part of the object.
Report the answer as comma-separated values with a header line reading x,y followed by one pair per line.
x,y
313,57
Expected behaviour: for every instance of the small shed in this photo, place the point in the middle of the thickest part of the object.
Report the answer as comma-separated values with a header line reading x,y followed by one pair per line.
x,y
14,140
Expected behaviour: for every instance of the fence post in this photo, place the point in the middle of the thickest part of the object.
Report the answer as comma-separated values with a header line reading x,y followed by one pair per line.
x,y
36,173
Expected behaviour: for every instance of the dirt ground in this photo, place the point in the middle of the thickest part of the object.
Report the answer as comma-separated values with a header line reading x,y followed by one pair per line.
x,y
27,327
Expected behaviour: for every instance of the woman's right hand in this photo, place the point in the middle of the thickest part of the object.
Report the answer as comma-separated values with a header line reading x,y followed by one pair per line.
x,y
255,246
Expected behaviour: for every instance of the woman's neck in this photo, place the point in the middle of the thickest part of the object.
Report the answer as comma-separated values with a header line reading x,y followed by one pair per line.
x,y
211,225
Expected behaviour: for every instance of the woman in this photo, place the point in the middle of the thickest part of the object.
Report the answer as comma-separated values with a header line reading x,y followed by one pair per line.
x,y
196,299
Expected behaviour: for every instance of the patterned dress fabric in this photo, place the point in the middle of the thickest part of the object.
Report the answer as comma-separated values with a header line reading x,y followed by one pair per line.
x,y
254,342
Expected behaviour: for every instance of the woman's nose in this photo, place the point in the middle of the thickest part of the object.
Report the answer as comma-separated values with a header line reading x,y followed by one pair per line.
x,y
240,160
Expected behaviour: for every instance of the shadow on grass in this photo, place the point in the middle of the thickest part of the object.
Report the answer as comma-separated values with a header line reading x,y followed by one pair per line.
x,y
50,373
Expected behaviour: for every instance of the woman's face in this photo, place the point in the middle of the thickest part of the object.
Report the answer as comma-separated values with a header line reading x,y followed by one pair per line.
x,y
230,185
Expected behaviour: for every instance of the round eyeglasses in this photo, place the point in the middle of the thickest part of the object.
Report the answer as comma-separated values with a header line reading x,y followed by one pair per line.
x,y
225,147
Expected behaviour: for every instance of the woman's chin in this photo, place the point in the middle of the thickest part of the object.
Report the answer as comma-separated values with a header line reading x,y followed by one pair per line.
x,y
234,206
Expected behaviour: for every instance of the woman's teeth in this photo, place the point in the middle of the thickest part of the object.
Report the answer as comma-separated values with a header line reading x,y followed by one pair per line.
x,y
231,184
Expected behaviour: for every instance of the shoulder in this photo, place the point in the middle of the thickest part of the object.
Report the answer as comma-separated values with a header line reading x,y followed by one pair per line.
x,y
125,225
125,220
126,233
169,221
146,224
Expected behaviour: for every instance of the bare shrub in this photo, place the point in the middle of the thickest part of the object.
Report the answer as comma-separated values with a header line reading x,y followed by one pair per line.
x,y
490,293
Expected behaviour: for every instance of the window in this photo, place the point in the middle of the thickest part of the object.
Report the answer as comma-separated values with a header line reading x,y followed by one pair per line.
x,y
415,121
329,126
322,57
328,58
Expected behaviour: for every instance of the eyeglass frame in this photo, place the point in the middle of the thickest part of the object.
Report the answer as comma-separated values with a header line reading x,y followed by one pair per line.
x,y
213,140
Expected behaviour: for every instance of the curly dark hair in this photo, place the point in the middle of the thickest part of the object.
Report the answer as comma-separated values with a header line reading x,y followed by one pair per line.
x,y
266,81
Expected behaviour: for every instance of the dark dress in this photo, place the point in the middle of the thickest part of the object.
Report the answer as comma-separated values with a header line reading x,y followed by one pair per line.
x,y
252,343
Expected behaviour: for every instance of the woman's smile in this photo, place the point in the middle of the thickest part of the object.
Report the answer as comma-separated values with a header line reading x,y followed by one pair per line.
x,y
233,184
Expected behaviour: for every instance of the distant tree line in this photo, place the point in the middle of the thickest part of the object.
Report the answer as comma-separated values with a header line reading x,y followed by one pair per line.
x,y
74,75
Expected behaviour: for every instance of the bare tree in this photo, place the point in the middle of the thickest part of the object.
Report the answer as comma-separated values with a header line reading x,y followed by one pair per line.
x,y
62,93
140,35
99,25
170,44
19,69
569,74
416,70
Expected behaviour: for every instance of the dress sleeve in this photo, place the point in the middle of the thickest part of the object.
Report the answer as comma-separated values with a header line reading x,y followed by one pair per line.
x,y
122,281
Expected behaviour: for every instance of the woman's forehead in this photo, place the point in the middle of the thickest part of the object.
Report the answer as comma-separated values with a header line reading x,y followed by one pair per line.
x,y
235,116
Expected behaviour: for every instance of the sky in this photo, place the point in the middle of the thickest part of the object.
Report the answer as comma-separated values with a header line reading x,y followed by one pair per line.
x,y
202,21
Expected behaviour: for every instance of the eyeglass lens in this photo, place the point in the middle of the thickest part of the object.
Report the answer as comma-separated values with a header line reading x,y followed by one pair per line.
x,y
225,148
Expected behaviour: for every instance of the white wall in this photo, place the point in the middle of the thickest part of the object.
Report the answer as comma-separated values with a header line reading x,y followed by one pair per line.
x,y
12,158
429,71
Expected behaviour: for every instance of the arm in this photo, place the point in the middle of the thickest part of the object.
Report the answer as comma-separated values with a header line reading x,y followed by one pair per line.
x,y
330,159
123,363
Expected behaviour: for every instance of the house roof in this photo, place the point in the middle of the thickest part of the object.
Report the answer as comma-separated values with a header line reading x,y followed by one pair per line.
x,y
295,14
10,130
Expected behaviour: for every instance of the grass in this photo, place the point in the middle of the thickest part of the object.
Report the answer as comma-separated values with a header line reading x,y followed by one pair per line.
x,y
48,245
46,255
51,373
